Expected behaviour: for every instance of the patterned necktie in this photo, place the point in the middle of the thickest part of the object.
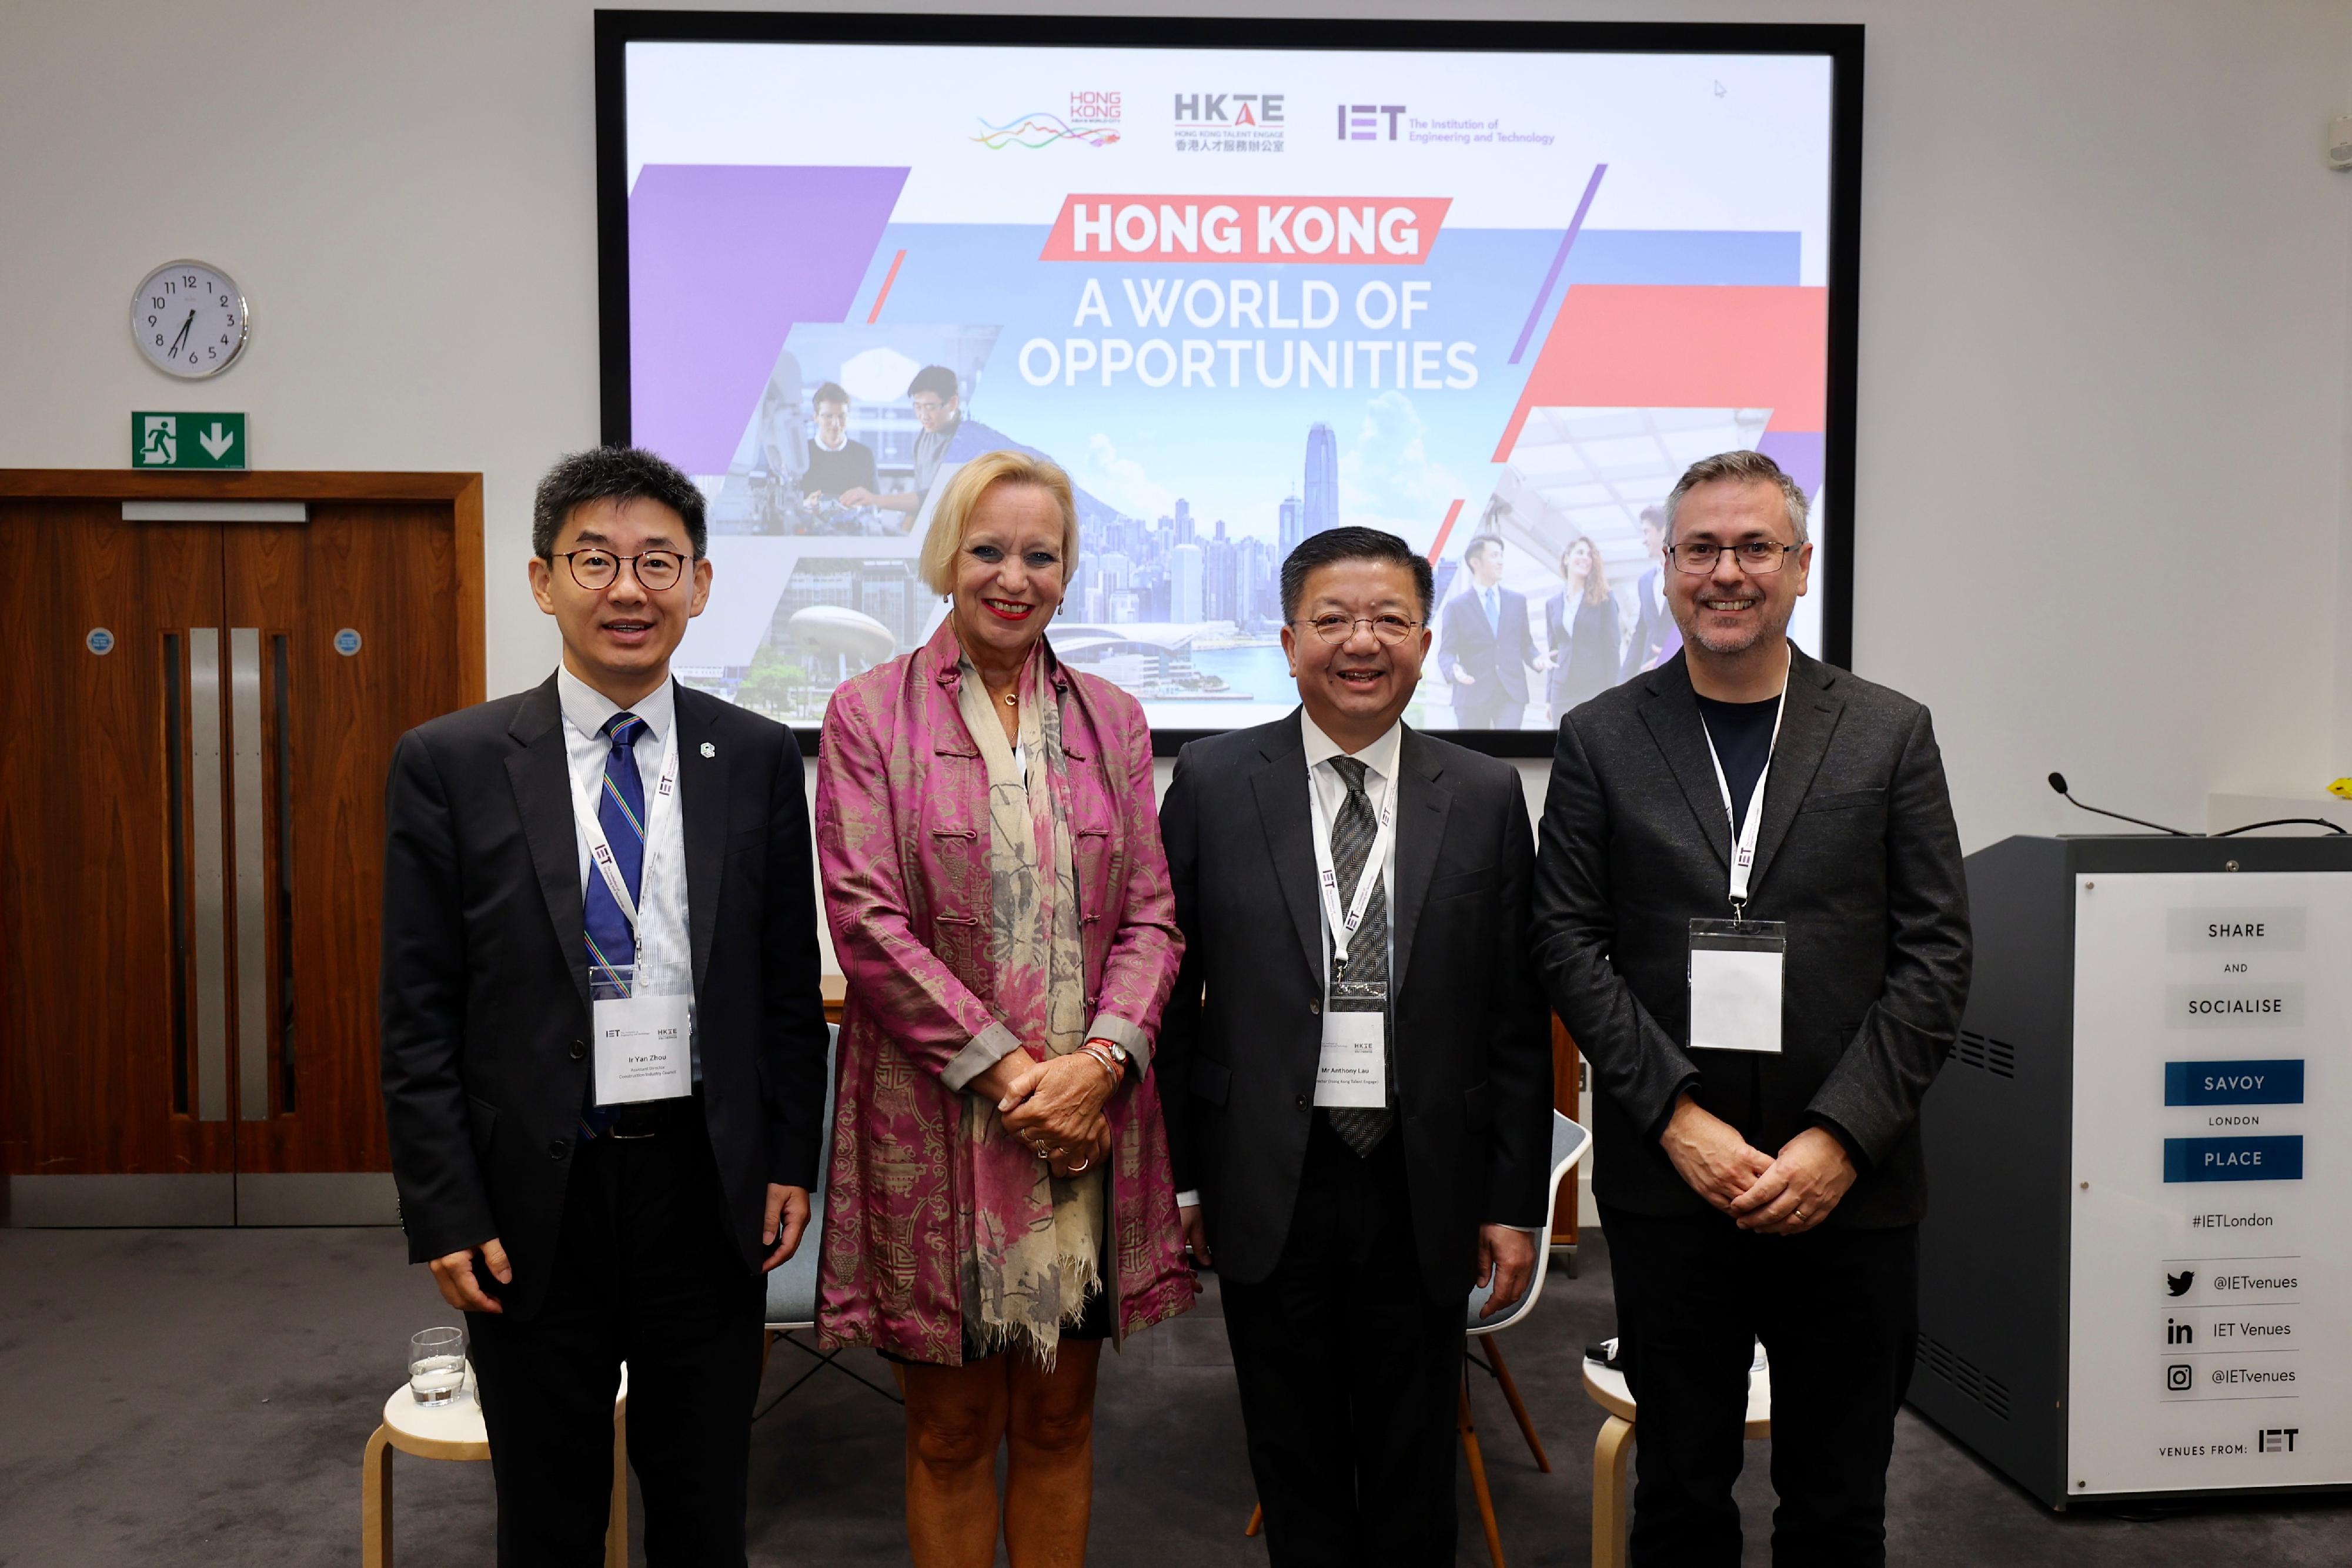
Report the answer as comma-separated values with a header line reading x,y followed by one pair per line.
x,y
612,941
1361,1128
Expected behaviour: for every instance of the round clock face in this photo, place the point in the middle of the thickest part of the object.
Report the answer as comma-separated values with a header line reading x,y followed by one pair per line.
x,y
189,320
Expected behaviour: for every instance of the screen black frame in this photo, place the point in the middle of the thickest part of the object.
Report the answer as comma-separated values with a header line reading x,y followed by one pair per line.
x,y
1839,43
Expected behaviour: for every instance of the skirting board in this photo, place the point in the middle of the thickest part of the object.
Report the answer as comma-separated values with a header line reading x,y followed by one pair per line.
x,y
60,1202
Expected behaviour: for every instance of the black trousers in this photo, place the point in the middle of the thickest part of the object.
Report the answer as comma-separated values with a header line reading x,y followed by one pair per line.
x,y
1348,1372
643,1272
1837,1310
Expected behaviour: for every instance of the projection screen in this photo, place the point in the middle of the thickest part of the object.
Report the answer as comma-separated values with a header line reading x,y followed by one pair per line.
x,y
1487,287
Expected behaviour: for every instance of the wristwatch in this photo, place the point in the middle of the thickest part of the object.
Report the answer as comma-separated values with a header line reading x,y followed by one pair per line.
x,y
1118,1052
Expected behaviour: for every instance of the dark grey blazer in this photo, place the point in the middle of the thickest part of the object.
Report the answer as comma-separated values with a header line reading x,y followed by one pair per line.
x,y
1857,854
485,979
1239,1042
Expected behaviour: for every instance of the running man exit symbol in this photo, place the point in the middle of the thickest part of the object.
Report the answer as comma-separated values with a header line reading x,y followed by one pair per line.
x,y
184,440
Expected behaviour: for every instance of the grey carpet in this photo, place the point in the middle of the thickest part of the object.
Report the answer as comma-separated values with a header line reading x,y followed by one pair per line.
x,y
202,1397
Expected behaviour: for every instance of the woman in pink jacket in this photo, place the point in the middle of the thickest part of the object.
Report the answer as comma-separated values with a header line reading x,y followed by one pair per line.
x,y
1000,1201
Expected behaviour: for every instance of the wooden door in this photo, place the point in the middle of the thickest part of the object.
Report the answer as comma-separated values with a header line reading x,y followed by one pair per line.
x,y
114,1042
380,581
192,830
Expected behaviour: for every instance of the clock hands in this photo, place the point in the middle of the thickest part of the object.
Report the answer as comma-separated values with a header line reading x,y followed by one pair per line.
x,y
183,337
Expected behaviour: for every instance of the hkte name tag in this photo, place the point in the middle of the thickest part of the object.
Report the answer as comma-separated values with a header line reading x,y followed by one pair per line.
x,y
1353,1072
644,1048
1734,983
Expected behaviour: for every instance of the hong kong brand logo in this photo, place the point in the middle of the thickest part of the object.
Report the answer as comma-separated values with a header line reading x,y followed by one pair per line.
x,y
1090,119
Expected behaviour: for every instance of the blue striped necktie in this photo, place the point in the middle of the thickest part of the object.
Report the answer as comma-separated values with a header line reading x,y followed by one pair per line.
x,y
612,941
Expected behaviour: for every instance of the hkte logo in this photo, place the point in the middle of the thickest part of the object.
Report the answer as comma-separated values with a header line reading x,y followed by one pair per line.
x,y
1361,122
2276,1440
1229,122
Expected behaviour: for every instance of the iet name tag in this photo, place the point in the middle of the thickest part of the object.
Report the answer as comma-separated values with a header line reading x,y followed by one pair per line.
x,y
1352,1071
644,1049
1734,983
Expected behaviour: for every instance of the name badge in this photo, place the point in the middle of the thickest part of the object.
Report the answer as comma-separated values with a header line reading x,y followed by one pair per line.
x,y
1734,983
645,1047
1352,1071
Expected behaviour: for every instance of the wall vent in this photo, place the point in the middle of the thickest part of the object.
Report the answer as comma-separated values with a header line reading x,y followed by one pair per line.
x,y
1997,1057
1965,1376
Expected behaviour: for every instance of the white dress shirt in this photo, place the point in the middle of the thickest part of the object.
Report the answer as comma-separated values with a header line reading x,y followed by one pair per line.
x,y
1327,792
662,933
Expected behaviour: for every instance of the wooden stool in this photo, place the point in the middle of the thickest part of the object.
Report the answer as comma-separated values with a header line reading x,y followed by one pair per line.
x,y
1612,1512
454,1431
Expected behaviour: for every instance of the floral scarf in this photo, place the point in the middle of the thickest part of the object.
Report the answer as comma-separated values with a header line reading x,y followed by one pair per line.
x,y
1024,1282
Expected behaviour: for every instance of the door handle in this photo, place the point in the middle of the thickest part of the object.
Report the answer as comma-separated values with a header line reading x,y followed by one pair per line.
x,y
205,856
245,798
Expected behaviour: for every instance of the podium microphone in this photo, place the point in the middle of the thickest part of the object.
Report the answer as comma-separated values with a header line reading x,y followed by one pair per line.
x,y
2058,782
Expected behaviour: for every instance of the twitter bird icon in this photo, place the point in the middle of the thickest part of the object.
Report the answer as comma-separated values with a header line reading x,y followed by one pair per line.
x,y
2178,1284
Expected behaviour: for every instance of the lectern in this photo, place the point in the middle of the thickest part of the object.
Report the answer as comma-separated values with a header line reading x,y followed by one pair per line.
x,y
2135,1273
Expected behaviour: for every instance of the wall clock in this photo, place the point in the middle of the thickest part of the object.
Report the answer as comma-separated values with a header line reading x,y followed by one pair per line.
x,y
189,320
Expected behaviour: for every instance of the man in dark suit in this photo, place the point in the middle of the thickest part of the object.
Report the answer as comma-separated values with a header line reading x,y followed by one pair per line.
x,y
1759,1169
1655,638
603,1044
1358,1065
1485,645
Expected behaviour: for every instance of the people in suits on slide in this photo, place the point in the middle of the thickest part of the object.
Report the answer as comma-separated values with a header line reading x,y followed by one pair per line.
x,y
1000,1201
1580,641
1747,1190
1484,647
577,1222
1359,1070
1656,636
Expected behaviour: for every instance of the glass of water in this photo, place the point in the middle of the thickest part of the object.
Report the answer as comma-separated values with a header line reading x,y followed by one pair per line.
x,y
436,1365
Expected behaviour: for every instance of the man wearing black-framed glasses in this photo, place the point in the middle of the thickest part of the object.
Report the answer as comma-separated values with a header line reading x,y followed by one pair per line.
x,y
603,1044
1751,916
1356,1067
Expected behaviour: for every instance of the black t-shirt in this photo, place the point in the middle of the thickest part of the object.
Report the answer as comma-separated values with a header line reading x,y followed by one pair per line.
x,y
1742,733
831,472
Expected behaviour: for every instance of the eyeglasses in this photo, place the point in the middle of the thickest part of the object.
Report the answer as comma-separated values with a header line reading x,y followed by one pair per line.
x,y
1757,557
595,569
1336,628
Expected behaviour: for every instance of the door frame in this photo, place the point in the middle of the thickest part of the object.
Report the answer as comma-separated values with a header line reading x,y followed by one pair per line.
x,y
331,1198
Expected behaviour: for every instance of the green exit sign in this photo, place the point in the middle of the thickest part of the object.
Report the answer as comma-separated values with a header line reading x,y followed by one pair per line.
x,y
187,440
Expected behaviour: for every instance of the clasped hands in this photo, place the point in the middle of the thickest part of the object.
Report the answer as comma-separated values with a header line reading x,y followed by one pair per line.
x,y
1054,1106
1786,1196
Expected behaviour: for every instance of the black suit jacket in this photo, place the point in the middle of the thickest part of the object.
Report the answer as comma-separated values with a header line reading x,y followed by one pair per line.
x,y
1239,1043
1857,854
485,1011
1496,662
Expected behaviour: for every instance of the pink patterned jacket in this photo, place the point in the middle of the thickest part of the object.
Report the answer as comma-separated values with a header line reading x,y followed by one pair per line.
x,y
901,837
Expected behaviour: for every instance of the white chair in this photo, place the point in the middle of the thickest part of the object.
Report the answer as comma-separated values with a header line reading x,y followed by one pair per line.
x,y
791,1284
454,1431
1611,1515
1568,1143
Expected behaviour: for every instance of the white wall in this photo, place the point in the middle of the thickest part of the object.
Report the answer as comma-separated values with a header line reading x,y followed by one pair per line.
x,y
2106,453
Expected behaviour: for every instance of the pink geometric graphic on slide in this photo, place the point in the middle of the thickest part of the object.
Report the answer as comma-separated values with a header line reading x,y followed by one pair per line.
x,y
1675,346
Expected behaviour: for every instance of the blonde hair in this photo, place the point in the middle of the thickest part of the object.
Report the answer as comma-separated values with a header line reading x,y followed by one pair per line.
x,y
962,498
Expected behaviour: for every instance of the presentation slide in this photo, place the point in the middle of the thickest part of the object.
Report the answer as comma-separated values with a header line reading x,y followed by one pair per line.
x,y
1492,302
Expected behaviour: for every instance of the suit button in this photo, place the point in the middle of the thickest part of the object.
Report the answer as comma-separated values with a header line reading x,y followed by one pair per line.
x,y
1315,1007
1302,1102
558,1149
579,1051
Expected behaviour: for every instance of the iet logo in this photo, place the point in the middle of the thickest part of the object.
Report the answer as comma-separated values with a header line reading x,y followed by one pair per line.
x,y
1361,122
2276,1440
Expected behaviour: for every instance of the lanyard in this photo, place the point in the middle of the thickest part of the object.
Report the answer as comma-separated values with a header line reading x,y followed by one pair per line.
x,y
600,848
1343,923
1743,847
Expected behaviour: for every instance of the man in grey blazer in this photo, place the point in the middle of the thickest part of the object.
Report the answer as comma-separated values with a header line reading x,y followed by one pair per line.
x,y
1758,1170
